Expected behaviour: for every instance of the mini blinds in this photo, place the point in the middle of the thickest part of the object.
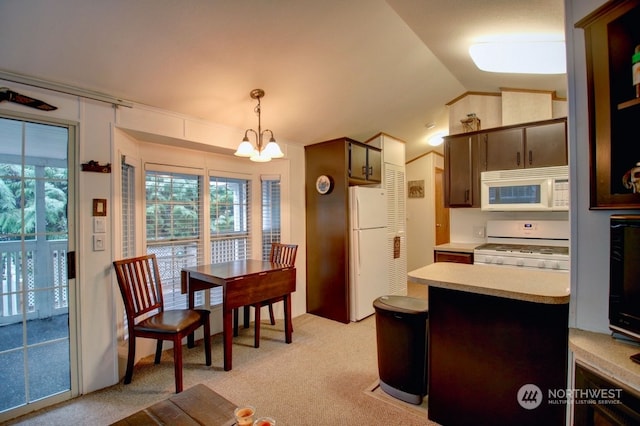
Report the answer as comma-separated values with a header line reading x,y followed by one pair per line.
x,y
229,218
230,224
128,210
271,229
173,228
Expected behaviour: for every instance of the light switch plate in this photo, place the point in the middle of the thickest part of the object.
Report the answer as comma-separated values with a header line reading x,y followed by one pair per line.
x,y
99,225
99,242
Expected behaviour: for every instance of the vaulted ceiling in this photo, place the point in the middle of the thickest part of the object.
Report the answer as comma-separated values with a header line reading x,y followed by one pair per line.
x,y
329,68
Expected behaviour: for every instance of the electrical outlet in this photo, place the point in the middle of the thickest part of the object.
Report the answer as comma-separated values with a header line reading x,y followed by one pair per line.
x,y
478,231
99,242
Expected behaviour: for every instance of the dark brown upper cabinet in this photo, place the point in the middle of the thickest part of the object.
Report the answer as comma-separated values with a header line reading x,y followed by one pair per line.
x,y
542,144
612,33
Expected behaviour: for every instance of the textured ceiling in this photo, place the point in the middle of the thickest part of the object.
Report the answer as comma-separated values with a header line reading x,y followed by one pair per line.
x,y
329,69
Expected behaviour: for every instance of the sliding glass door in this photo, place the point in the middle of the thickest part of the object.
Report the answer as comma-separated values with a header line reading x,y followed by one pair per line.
x,y
35,347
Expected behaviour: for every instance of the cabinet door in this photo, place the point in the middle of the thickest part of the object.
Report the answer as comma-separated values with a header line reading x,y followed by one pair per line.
x,y
459,167
504,149
454,257
546,145
357,161
374,165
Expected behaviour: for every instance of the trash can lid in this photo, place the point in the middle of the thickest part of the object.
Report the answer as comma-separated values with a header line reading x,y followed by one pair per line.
x,y
405,304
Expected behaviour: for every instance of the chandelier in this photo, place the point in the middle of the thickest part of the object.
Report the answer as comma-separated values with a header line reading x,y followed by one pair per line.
x,y
258,152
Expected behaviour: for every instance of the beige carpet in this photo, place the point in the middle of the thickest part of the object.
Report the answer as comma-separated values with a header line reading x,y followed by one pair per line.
x,y
319,379
375,391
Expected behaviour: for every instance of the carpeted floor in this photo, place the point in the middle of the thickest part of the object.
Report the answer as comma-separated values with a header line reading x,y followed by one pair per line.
x,y
321,378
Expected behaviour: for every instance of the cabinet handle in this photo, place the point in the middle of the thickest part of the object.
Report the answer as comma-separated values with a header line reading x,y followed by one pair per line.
x,y
530,157
466,195
364,170
370,170
518,158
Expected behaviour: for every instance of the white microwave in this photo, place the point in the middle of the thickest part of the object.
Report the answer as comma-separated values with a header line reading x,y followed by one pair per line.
x,y
539,189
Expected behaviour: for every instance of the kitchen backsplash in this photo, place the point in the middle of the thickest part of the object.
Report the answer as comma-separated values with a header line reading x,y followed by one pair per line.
x,y
464,222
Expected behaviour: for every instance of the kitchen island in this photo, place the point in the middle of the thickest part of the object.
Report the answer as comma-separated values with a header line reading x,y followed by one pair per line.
x,y
497,344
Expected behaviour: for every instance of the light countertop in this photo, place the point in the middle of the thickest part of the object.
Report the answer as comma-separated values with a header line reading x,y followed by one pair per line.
x,y
512,283
608,356
457,247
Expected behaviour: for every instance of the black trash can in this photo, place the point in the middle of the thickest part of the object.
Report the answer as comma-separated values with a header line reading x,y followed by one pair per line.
x,y
402,338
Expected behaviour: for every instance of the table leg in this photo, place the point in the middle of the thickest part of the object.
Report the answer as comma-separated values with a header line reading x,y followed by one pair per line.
x,y
235,322
227,338
246,310
288,327
184,276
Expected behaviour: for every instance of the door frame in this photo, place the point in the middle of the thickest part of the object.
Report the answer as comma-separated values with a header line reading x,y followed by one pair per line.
x,y
72,243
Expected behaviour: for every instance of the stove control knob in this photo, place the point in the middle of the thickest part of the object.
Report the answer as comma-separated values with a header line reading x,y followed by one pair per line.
x,y
541,264
555,264
499,260
520,262
488,259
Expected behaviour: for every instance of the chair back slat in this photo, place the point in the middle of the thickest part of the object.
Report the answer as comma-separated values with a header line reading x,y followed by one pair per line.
x,y
139,282
283,253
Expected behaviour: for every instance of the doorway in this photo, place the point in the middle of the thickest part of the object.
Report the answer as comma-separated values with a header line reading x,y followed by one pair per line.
x,y
442,213
35,242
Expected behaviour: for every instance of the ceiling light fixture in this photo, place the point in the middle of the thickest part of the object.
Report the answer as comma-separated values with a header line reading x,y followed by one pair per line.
x,y
437,138
259,153
525,54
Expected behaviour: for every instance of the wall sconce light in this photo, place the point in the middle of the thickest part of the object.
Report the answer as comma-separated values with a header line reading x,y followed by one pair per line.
x,y
259,152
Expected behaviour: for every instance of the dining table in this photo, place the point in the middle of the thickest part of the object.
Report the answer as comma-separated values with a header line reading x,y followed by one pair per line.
x,y
244,283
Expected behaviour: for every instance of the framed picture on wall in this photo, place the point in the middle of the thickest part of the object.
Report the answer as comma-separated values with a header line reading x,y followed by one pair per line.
x,y
415,188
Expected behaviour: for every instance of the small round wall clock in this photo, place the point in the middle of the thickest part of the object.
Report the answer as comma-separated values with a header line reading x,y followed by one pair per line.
x,y
324,184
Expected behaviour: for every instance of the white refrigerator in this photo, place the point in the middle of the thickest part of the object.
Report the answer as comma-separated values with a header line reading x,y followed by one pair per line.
x,y
368,263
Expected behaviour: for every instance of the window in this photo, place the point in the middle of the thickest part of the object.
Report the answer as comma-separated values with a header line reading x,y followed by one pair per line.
x,y
271,232
230,225
128,210
173,228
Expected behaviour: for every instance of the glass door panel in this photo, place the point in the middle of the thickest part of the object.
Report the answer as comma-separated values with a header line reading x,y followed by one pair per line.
x,y
34,292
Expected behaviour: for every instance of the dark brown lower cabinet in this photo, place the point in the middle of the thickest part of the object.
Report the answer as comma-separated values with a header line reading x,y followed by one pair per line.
x,y
602,402
492,360
451,256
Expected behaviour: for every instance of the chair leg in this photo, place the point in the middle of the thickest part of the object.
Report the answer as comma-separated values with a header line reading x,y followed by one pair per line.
x,y
271,316
158,352
177,360
130,357
207,341
256,334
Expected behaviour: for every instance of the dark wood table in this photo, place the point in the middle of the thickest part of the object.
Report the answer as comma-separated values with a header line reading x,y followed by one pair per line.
x,y
243,282
198,405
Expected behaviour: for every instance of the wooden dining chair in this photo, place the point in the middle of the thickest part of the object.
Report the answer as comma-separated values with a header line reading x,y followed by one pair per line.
x,y
139,282
280,253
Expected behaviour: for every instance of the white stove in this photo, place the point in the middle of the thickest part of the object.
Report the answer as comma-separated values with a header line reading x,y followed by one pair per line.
x,y
529,244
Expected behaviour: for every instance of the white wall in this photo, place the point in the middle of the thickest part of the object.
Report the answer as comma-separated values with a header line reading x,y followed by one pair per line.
x,y
589,228
97,299
421,221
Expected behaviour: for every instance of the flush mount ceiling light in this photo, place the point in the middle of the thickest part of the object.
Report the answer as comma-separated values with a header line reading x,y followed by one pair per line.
x,y
259,153
437,138
530,54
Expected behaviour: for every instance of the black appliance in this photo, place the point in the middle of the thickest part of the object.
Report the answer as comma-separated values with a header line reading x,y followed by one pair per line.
x,y
624,277
402,339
